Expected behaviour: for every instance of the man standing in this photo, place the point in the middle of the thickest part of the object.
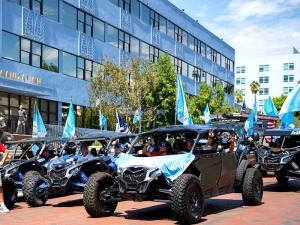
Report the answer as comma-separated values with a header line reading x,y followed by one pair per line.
x,y
4,152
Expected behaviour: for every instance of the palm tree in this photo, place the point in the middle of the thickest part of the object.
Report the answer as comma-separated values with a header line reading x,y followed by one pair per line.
x,y
254,87
238,96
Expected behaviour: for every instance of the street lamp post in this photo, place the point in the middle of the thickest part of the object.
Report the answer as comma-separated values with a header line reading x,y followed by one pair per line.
x,y
195,75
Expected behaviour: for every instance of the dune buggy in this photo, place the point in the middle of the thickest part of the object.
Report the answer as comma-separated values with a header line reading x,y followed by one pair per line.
x,y
70,172
185,176
280,154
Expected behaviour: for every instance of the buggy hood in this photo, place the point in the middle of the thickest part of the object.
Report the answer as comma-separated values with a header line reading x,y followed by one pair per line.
x,y
172,166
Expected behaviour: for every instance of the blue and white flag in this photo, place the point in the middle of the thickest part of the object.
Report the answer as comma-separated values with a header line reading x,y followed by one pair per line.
x,y
69,130
287,121
182,113
206,115
249,124
255,110
269,108
244,107
38,126
102,121
121,125
292,103
137,116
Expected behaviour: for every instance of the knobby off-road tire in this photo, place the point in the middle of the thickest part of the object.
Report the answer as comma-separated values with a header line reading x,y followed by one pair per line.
x,y
31,181
95,199
252,187
240,172
187,199
282,179
10,193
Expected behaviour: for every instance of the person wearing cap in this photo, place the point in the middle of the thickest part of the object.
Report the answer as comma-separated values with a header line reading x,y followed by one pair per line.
x,y
189,144
4,151
84,152
163,149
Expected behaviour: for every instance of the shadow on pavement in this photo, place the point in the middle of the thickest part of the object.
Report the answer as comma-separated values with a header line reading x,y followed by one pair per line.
x,y
71,203
215,206
164,212
292,185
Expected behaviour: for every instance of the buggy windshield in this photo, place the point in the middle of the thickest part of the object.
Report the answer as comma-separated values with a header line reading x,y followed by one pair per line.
x,y
282,141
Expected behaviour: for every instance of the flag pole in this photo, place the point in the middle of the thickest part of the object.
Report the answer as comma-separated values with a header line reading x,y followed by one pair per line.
x,y
176,98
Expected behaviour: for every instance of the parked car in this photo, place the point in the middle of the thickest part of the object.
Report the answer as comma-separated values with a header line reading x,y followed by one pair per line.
x,y
70,172
279,153
198,163
25,155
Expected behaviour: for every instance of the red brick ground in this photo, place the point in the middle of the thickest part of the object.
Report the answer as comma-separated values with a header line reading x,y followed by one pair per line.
x,y
281,206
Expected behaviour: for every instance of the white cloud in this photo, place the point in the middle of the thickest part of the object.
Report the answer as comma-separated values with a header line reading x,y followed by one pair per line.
x,y
240,10
251,39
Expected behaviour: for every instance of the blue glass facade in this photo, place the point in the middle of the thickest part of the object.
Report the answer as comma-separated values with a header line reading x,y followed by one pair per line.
x,y
50,49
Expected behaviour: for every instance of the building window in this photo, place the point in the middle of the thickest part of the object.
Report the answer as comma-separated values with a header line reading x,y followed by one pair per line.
x,y
135,8
170,29
288,66
125,5
184,69
154,54
288,78
69,64
51,9
162,24
50,59
84,23
263,68
145,50
11,46
287,90
208,53
240,81
145,14
134,45
178,66
261,103
112,36
154,19
264,91
264,80
241,69
70,16
48,8
124,41
98,29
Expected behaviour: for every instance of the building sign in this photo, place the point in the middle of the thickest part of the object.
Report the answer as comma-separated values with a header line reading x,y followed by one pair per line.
x,y
20,77
88,5
33,25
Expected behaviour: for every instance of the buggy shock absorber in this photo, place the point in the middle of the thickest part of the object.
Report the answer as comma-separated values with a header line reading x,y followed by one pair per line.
x,y
83,177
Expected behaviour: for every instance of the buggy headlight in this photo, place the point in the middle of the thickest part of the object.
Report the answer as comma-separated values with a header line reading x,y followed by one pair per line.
x,y
74,171
155,173
286,159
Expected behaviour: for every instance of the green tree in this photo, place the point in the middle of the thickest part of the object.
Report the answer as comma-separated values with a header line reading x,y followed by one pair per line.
x,y
198,103
123,89
217,101
162,97
278,101
239,96
298,82
254,87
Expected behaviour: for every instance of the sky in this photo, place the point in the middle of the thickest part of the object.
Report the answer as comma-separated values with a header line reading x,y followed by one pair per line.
x,y
252,27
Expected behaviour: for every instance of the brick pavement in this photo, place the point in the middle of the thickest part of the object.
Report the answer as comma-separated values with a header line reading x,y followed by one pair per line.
x,y
281,206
